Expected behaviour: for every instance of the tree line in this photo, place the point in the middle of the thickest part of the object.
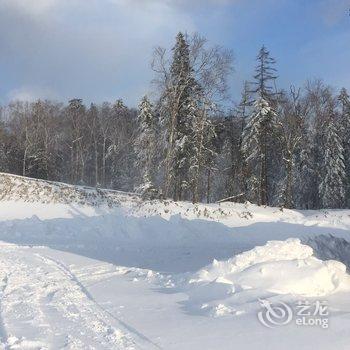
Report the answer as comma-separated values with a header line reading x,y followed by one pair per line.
x,y
275,147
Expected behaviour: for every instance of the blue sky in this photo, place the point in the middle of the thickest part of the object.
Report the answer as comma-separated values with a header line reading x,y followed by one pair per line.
x,y
101,49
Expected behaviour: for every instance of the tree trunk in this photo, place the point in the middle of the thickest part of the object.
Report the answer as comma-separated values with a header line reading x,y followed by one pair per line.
x,y
208,186
288,201
24,163
263,173
104,162
96,165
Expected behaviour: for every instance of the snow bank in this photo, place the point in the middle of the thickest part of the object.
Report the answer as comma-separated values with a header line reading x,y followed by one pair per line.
x,y
23,197
277,268
25,189
282,267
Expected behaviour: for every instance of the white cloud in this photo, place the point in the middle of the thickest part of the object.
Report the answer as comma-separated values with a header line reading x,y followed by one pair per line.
x,y
30,94
84,48
30,7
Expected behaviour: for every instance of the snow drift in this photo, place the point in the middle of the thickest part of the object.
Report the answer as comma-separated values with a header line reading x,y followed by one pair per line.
x,y
277,268
283,267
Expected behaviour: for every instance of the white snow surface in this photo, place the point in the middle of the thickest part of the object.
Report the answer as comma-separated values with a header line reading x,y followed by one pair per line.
x,y
281,267
277,268
89,271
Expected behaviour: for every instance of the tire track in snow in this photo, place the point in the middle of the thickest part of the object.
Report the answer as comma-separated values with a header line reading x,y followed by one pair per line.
x,y
107,316
23,320
43,308
81,312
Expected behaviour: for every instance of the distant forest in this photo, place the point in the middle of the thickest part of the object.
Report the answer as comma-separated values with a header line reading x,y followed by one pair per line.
x,y
288,148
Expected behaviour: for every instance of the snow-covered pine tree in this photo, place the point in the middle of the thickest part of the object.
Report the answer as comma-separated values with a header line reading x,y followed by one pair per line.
x,y
120,151
230,158
320,105
255,148
345,135
258,134
180,99
344,99
145,149
332,184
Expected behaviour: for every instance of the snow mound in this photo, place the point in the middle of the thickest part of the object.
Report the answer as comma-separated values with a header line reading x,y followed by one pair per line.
x,y
277,268
282,267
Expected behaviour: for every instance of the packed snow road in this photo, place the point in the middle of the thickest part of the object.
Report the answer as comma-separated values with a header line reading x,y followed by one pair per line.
x,y
45,306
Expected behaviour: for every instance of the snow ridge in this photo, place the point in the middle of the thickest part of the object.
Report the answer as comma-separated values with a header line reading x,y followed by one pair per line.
x,y
13,187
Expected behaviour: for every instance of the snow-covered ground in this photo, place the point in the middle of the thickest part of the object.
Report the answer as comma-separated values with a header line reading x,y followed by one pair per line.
x,y
86,269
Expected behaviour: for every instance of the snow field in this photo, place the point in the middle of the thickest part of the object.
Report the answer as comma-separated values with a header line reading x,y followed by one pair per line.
x,y
164,275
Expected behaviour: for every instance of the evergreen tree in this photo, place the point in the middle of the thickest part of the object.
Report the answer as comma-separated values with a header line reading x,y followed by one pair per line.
x,y
180,100
322,108
255,147
120,152
145,149
265,76
332,185
258,135
345,101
